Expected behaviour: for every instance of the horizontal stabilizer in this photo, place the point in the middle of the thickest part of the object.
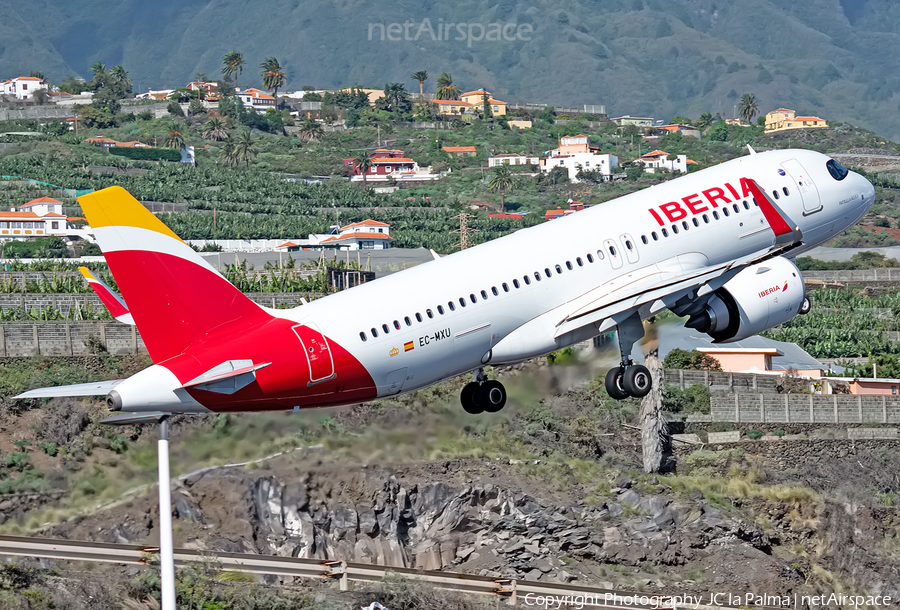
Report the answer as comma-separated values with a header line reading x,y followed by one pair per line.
x,y
110,299
131,419
98,388
228,377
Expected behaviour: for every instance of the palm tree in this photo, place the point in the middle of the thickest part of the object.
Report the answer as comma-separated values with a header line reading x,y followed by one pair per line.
x,y
363,163
214,129
748,107
200,77
446,90
243,148
705,120
228,155
311,130
120,76
420,76
273,75
501,180
175,139
396,96
233,65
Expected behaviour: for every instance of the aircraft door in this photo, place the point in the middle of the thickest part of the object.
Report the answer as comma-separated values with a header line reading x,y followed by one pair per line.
x,y
318,354
613,252
392,382
804,184
631,253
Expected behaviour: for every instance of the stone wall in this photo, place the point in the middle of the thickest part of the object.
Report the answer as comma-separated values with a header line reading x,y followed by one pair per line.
x,y
68,338
721,382
804,408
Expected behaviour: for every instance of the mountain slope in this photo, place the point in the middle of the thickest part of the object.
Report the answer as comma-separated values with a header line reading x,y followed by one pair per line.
x,y
656,57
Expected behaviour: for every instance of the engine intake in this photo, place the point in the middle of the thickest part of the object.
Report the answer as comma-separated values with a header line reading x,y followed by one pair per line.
x,y
762,296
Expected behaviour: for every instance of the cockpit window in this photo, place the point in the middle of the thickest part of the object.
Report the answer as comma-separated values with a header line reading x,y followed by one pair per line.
x,y
837,171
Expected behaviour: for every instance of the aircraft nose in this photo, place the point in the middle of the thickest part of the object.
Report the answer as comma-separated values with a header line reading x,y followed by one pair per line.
x,y
867,191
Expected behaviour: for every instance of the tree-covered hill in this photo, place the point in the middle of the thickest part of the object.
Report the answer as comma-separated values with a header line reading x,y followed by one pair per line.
x,y
655,57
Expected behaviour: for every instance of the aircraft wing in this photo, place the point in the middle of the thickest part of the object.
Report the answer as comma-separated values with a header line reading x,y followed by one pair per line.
x,y
110,299
97,388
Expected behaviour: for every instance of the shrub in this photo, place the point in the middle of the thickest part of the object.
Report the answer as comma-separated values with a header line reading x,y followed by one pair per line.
x,y
147,154
18,461
50,449
754,434
694,399
118,443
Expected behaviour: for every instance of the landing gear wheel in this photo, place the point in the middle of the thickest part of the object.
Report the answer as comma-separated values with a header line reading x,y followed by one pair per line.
x,y
614,385
467,398
637,381
805,306
491,395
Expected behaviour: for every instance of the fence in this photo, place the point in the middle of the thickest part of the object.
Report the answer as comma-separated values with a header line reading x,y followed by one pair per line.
x,y
68,339
804,409
886,274
721,382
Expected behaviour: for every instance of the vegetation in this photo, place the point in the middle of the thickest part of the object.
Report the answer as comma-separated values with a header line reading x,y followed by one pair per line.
x,y
694,360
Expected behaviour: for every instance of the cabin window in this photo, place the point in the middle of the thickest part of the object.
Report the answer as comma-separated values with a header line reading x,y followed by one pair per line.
x,y
715,215
558,269
684,224
644,239
674,229
419,316
537,276
785,191
472,298
362,336
374,332
706,219
462,301
775,194
725,211
385,328
494,290
579,261
612,251
440,309
664,233
569,265
396,324
515,283
408,321
547,272
527,280
654,236
736,208
747,205
696,222
451,305
590,258
628,244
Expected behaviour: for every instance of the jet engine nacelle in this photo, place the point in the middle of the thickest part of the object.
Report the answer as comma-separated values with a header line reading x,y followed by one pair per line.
x,y
759,297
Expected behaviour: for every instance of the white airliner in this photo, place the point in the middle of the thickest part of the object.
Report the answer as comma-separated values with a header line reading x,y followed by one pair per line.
x,y
712,245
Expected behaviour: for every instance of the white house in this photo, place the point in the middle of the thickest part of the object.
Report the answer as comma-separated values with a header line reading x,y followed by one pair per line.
x,y
575,162
39,218
22,87
365,235
257,99
659,160
512,159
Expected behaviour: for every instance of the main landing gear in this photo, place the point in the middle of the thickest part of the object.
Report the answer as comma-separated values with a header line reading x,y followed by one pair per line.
x,y
805,306
628,379
482,395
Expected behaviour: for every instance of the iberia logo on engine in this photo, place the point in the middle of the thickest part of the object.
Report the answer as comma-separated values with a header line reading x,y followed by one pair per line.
x,y
769,291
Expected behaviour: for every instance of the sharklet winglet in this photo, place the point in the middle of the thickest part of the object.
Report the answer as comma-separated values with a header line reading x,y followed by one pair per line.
x,y
785,229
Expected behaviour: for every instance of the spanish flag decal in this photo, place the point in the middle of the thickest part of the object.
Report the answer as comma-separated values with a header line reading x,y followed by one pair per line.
x,y
407,346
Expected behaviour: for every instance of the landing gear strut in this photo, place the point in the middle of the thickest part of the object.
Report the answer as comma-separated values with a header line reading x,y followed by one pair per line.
x,y
482,395
628,379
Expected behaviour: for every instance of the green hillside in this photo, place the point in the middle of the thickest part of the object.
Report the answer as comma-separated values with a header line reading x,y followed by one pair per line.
x,y
656,57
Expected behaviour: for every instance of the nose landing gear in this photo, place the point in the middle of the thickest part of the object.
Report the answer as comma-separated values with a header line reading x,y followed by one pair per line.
x,y
482,395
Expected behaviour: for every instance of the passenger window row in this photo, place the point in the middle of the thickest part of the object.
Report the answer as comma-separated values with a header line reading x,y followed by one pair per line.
x,y
386,329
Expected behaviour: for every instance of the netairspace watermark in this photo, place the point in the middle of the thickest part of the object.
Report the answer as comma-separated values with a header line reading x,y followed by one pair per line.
x,y
444,32
679,602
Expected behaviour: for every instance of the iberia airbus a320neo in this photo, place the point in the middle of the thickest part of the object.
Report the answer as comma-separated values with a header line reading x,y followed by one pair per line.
x,y
713,246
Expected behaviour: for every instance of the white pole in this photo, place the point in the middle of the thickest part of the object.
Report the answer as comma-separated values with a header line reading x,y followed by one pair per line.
x,y
166,546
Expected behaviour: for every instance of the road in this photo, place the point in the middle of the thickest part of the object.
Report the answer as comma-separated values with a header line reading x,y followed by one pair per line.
x,y
523,592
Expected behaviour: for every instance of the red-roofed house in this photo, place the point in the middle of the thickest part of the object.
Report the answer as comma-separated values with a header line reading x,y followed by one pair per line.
x,y
784,119
257,99
37,218
365,235
687,130
659,159
469,102
22,87
385,163
460,151
208,91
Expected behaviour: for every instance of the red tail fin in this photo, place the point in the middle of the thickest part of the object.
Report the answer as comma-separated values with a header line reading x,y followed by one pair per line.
x,y
176,298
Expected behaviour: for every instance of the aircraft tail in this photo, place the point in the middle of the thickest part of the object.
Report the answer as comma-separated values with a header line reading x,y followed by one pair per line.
x,y
175,297
110,299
